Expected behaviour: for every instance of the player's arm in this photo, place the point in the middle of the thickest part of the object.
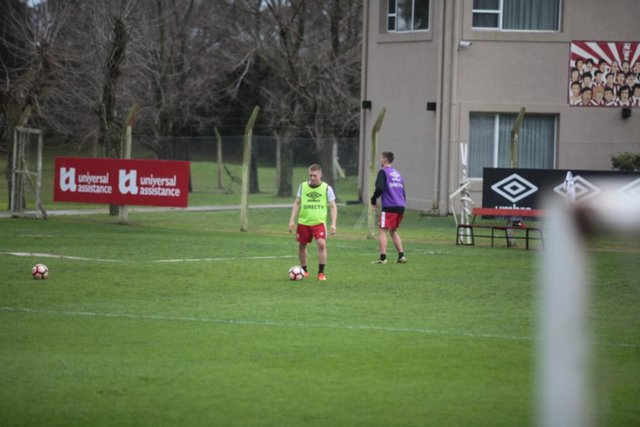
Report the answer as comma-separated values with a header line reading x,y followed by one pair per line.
x,y
333,209
294,214
381,183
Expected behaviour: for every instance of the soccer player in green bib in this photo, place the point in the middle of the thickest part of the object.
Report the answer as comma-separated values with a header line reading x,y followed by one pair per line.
x,y
312,202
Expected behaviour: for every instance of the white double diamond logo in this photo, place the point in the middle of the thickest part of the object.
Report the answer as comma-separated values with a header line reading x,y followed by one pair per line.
x,y
631,190
584,189
514,188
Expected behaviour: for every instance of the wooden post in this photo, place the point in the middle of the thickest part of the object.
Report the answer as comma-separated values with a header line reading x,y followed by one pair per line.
x,y
40,211
246,161
373,171
515,135
278,159
219,157
126,154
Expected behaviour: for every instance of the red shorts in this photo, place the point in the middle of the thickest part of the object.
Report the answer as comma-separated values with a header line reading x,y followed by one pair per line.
x,y
390,220
305,233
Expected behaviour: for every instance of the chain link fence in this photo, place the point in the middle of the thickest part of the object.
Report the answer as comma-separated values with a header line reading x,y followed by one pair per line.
x,y
305,151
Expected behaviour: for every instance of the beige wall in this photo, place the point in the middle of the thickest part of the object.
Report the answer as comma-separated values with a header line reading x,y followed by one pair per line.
x,y
402,77
499,72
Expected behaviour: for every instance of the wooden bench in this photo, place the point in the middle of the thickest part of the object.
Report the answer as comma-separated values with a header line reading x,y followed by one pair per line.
x,y
496,230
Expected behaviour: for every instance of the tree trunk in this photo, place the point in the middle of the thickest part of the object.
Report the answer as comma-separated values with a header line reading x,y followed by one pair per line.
x,y
109,128
285,178
326,161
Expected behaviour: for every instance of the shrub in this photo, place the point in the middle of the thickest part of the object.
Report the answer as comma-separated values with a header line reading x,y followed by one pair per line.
x,y
626,161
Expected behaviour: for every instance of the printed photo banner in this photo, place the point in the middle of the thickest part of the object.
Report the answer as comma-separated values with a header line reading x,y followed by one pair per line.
x,y
604,74
121,182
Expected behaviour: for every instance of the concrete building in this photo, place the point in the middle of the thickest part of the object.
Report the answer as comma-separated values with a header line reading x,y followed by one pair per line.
x,y
458,71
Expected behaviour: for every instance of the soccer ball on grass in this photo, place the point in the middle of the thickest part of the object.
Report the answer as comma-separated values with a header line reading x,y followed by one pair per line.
x,y
296,273
40,271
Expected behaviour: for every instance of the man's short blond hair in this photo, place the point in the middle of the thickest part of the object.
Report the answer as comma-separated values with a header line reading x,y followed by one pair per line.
x,y
315,167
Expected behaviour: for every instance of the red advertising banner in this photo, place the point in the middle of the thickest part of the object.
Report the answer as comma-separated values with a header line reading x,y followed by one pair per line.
x,y
122,182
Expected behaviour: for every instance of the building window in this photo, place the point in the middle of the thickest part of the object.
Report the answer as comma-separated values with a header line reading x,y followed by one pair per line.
x,y
407,15
490,142
523,15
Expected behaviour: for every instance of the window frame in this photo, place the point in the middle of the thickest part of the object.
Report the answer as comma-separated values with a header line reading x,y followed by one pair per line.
x,y
500,12
394,15
487,12
495,153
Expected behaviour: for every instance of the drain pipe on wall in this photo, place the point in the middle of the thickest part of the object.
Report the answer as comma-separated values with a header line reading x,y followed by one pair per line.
x,y
362,161
447,121
447,61
453,169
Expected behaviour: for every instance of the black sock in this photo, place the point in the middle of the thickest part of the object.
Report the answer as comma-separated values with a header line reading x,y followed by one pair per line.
x,y
400,254
383,257
320,268
304,267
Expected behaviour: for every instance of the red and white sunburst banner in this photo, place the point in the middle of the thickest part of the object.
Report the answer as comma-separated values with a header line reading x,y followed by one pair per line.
x,y
122,181
604,74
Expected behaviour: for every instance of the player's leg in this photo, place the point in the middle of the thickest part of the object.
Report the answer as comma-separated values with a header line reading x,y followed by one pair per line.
x,y
322,250
322,257
382,239
303,236
397,241
393,223
302,253
382,246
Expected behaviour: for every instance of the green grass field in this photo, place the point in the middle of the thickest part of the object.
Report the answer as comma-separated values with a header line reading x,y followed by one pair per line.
x,y
180,319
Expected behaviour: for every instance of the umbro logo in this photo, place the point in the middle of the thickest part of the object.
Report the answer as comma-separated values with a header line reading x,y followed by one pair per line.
x,y
314,195
584,189
631,190
514,188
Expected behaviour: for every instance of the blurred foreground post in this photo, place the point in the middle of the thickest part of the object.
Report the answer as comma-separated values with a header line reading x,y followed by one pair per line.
x,y
564,354
565,386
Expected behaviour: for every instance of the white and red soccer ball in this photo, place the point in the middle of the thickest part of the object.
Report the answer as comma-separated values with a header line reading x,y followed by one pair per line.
x,y
40,271
296,273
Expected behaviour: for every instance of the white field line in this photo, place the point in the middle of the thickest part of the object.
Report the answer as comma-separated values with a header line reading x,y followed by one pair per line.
x,y
164,261
224,258
301,325
278,324
76,258
43,255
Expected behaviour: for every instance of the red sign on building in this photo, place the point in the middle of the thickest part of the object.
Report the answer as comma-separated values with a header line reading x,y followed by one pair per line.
x,y
122,182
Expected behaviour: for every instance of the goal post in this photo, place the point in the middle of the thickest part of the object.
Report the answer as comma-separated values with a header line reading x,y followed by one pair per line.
x,y
26,174
566,385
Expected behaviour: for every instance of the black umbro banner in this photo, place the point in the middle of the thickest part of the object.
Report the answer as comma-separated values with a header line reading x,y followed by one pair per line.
x,y
527,188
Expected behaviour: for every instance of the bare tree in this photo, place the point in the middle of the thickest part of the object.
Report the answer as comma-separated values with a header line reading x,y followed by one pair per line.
x,y
181,71
190,64
29,65
302,60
